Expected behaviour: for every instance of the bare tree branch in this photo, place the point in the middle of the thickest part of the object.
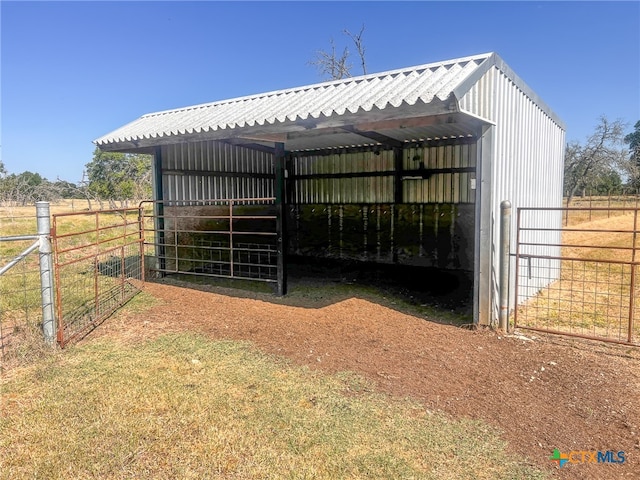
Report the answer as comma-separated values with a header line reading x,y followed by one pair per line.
x,y
357,40
328,63
335,66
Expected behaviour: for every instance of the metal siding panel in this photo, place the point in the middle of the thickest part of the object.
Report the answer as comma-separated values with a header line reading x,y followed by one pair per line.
x,y
213,156
345,189
529,160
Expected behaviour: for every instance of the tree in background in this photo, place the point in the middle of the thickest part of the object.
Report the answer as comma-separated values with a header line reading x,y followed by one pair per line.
x,y
337,66
585,165
118,177
609,183
26,188
633,165
111,177
67,189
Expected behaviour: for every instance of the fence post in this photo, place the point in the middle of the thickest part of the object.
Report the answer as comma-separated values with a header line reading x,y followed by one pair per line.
x,y
505,245
281,217
46,271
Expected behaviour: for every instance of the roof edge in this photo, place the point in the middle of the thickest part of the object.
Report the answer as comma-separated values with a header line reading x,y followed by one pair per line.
x,y
494,60
325,83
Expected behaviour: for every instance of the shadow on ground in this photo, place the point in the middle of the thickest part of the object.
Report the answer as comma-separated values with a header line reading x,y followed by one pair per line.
x,y
441,295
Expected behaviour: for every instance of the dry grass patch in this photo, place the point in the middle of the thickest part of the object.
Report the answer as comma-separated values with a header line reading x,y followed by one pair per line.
x,y
184,406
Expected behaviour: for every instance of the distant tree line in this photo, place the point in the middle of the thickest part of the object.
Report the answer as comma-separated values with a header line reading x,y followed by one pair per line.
x,y
109,180
29,187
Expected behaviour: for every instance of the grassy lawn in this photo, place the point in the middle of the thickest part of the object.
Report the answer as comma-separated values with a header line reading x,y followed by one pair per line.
x,y
184,406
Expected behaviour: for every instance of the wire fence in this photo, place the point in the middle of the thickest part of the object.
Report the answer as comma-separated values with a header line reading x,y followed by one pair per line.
x,y
589,207
589,288
20,289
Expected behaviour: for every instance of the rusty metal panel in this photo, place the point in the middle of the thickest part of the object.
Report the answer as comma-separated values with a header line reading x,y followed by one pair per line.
x,y
98,266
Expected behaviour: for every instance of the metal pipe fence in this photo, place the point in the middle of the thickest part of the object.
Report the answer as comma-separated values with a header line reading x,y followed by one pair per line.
x,y
590,207
587,289
231,238
98,266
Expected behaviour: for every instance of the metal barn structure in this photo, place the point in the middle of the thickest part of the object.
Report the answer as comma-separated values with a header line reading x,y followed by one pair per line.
x,y
407,166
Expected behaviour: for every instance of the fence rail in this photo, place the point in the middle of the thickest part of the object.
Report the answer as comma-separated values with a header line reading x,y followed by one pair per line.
x,y
592,207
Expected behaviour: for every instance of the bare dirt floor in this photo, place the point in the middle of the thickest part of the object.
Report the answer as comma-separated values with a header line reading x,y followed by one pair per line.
x,y
541,392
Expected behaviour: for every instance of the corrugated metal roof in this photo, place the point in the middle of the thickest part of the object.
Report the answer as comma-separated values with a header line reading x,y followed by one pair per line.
x,y
299,108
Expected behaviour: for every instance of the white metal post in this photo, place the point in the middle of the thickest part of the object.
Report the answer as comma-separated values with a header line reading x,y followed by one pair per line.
x,y
505,246
46,271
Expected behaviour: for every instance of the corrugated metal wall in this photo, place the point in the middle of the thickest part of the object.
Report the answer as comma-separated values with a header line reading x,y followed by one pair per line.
x,y
427,235
342,203
528,160
368,176
451,187
332,178
215,170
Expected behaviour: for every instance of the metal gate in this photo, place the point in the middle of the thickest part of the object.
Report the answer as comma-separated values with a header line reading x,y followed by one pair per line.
x,y
98,259
234,238
579,280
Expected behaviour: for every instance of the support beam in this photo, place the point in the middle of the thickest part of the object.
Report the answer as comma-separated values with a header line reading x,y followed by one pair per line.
x,y
398,193
372,135
281,213
217,173
412,122
158,211
413,174
249,144
483,249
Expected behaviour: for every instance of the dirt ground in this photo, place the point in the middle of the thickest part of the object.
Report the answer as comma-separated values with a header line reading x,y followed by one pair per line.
x,y
542,392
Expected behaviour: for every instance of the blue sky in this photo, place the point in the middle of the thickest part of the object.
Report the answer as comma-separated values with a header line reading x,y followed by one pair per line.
x,y
74,71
